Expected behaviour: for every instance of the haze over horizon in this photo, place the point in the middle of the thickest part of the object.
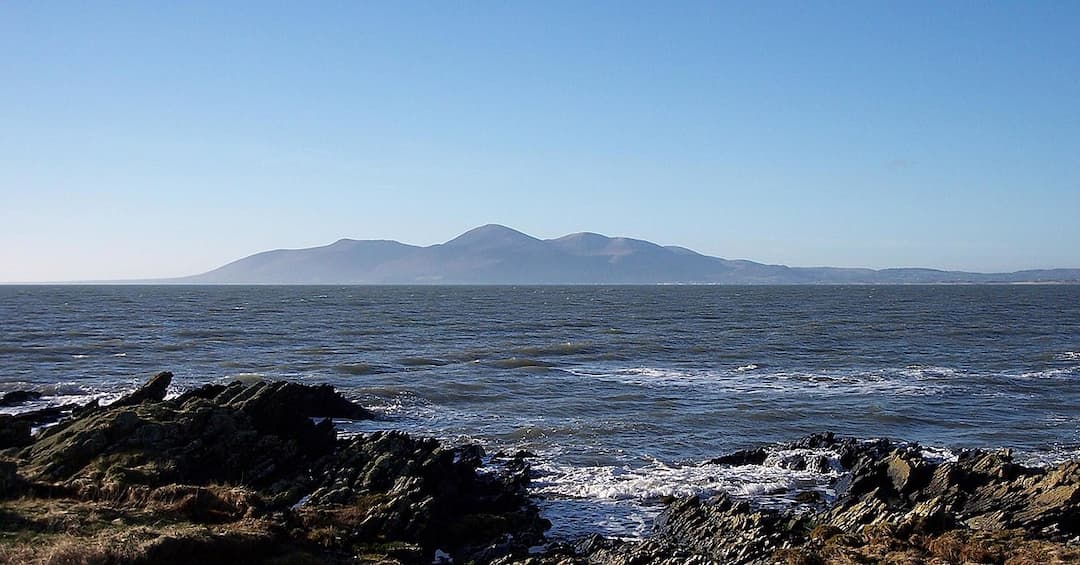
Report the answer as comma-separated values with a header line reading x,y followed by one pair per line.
x,y
147,141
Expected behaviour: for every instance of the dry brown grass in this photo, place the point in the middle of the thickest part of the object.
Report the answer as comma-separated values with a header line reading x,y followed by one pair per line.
x,y
71,549
69,531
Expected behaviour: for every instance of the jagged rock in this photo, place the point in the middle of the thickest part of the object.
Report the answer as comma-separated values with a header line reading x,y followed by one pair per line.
x,y
983,490
729,531
894,506
389,485
153,391
197,442
244,434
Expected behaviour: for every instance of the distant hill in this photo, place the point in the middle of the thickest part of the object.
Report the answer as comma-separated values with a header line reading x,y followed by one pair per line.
x,y
495,254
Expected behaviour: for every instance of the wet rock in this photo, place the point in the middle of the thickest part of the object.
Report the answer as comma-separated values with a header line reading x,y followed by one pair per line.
x,y
42,416
754,456
17,397
153,391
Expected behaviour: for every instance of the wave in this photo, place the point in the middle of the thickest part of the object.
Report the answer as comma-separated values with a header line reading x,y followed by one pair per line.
x,y
521,363
1059,373
357,369
247,377
1054,455
423,362
568,348
909,381
216,333
622,500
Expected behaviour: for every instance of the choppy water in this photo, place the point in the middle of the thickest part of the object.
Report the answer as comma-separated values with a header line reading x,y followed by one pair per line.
x,y
624,392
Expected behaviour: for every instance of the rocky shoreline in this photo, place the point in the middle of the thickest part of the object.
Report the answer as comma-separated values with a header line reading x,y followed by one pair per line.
x,y
256,473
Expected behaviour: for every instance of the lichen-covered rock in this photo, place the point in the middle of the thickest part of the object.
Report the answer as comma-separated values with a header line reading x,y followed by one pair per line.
x,y
254,435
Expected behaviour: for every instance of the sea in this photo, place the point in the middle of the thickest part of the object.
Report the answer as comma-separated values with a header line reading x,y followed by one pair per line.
x,y
623,393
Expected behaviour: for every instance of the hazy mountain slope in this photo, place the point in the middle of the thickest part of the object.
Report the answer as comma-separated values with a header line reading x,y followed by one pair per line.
x,y
345,261
495,254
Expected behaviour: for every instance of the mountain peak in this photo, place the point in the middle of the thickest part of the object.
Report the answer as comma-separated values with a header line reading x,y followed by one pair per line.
x,y
491,235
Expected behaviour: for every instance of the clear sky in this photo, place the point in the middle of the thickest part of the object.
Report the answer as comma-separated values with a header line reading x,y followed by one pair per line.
x,y
143,139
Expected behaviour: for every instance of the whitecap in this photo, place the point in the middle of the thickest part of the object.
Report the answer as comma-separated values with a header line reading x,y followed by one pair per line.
x,y
658,480
1054,455
750,379
623,501
938,454
247,378
929,372
1051,373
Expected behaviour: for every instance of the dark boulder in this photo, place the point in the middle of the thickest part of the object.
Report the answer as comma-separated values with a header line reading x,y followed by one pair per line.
x,y
754,456
14,432
270,401
17,397
10,481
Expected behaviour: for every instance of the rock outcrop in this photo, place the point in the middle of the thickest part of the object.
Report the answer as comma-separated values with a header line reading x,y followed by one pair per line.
x,y
895,505
252,473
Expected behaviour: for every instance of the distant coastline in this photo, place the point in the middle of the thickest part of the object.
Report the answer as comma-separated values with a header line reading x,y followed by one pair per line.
x,y
498,255
174,282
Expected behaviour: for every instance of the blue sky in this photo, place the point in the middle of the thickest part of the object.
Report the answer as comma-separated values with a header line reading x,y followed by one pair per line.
x,y
150,139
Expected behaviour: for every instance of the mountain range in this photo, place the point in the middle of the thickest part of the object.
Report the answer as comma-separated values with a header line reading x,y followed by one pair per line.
x,y
494,254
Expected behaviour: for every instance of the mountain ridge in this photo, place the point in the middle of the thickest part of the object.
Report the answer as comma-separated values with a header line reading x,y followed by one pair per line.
x,y
496,254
